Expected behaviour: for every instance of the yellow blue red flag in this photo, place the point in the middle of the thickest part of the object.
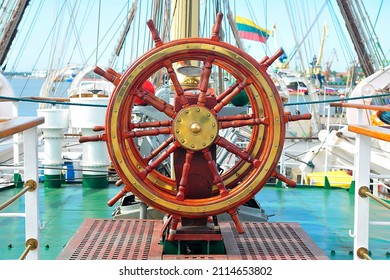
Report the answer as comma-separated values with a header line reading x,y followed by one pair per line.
x,y
247,29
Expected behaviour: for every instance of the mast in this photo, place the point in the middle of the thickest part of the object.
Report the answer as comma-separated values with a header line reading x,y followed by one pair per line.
x,y
11,28
185,24
185,21
352,25
233,26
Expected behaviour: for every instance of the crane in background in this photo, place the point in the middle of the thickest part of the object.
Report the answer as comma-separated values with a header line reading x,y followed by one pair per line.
x,y
317,60
328,64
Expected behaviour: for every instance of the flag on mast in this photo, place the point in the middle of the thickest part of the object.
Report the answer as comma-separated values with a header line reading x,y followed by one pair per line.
x,y
247,29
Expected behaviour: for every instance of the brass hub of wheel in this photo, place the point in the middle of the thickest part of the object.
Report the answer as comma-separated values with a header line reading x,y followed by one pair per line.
x,y
195,128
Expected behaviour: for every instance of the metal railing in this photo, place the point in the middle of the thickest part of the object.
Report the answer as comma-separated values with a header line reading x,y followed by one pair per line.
x,y
30,185
363,253
364,191
362,180
31,244
27,126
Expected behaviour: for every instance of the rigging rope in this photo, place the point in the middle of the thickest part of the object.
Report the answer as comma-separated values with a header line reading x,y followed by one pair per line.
x,y
61,50
297,47
104,37
368,34
123,67
254,19
338,100
265,4
78,34
98,32
138,27
167,21
345,48
305,43
310,41
145,37
377,15
66,39
56,37
25,38
44,45
11,98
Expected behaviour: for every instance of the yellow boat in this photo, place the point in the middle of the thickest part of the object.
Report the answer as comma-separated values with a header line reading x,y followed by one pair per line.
x,y
339,179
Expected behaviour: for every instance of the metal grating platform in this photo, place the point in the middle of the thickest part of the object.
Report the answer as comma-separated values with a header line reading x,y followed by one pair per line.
x,y
114,239
270,241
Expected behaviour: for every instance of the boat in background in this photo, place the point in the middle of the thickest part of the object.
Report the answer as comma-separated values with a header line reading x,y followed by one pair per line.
x,y
336,151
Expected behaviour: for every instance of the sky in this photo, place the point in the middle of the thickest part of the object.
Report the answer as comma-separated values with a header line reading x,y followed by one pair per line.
x,y
294,17
41,44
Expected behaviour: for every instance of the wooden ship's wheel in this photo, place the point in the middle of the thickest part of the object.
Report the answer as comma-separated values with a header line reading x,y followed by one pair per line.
x,y
197,191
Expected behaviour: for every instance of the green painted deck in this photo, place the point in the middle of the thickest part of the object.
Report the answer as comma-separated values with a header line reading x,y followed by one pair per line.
x,y
325,214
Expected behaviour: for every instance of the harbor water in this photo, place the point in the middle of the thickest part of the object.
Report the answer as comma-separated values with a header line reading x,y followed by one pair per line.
x,y
27,87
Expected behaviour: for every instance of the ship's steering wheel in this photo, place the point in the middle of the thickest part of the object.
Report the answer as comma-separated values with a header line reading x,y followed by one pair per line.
x,y
194,127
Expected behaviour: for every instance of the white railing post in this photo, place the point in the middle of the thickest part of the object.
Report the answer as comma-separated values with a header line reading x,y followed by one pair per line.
x,y
362,178
327,142
375,187
283,164
30,142
15,137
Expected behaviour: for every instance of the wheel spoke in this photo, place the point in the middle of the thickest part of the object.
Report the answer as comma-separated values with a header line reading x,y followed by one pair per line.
x,y
159,160
176,84
281,177
236,117
156,102
217,27
227,91
213,169
175,220
237,151
229,96
204,79
150,124
147,132
155,35
241,120
159,149
184,176
236,220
